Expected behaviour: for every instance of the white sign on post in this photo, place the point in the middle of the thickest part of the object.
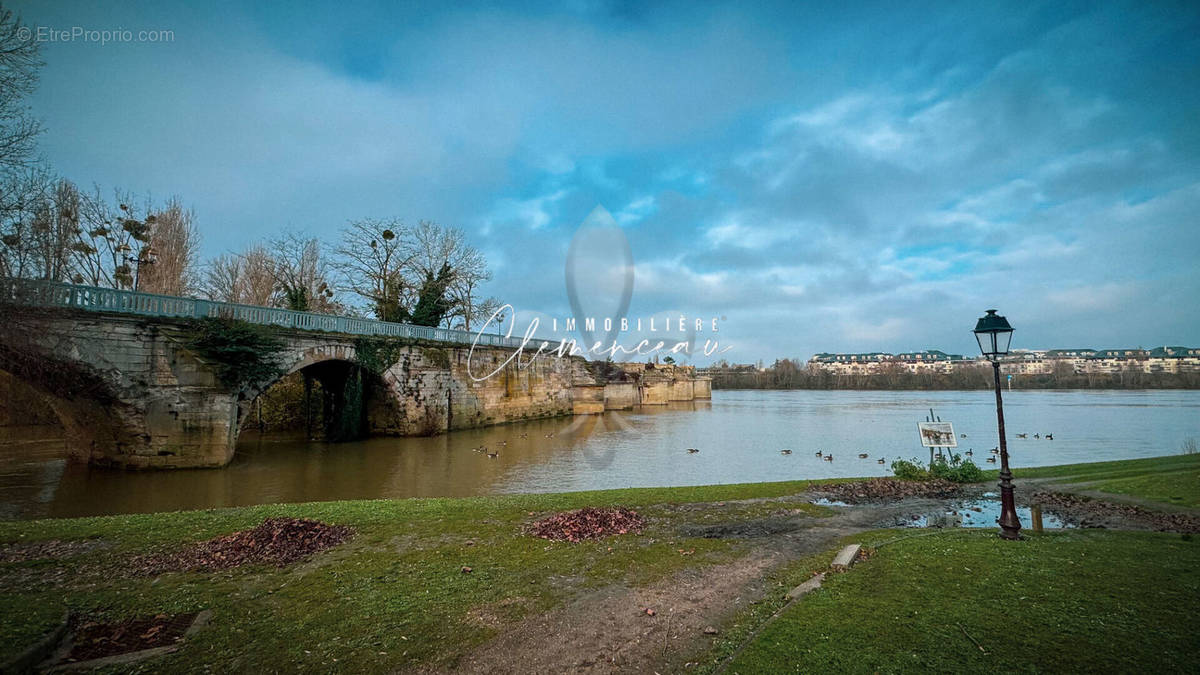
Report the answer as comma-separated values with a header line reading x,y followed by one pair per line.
x,y
937,434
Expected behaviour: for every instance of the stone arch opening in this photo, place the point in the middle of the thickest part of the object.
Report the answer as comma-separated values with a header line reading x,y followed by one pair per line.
x,y
93,425
328,397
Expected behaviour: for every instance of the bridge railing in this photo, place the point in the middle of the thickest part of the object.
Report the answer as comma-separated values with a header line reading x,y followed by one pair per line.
x,y
57,294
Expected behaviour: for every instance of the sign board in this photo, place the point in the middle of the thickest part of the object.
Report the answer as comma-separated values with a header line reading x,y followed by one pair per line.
x,y
937,434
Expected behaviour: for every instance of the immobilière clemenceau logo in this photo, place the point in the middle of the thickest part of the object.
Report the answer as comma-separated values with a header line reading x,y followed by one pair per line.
x,y
599,268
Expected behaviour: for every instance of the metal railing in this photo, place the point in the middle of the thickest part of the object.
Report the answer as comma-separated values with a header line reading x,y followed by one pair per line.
x,y
57,294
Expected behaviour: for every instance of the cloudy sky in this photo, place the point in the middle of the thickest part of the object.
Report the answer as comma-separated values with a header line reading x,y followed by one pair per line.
x,y
825,178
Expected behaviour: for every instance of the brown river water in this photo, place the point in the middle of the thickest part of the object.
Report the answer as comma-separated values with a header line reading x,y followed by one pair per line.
x,y
739,435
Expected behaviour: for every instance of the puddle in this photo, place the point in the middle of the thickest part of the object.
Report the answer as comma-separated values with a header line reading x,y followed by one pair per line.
x,y
977,513
824,501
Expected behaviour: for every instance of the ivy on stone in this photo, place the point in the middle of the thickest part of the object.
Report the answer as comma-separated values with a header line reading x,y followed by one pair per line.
x,y
242,353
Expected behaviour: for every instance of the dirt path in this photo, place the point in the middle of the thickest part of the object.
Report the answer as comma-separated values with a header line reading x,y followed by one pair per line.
x,y
608,631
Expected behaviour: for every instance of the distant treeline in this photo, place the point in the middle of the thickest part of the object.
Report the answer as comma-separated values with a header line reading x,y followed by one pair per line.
x,y
786,374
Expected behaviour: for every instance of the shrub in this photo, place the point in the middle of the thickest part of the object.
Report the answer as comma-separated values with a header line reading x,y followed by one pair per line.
x,y
910,470
954,470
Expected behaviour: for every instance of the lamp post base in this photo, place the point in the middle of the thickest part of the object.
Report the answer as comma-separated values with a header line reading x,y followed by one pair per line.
x,y
1010,524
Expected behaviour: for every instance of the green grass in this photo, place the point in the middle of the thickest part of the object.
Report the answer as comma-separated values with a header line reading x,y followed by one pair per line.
x,y
1076,601
395,596
1171,480
392,597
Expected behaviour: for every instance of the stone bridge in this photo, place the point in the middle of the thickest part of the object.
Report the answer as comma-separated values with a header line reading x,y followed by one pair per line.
x,y
121,371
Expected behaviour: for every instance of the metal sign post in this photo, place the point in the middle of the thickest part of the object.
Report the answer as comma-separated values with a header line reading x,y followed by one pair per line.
x,y
936,434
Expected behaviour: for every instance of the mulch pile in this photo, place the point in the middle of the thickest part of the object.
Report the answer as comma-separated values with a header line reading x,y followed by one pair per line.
x,y
587,523
1087,512
94,640
277,541
883,488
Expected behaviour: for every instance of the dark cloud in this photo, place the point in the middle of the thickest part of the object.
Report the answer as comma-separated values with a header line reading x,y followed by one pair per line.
x,y
866,177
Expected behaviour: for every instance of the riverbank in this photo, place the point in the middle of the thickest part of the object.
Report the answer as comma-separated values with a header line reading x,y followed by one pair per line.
x,y
432,584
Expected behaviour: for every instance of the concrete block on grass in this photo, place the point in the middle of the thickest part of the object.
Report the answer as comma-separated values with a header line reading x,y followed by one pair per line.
x,y
845,558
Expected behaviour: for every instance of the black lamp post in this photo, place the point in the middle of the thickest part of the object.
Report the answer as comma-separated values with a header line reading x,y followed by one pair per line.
x,y
994,334
145,256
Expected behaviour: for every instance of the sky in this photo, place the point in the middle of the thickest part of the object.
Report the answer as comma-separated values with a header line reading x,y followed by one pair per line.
x,y
815,176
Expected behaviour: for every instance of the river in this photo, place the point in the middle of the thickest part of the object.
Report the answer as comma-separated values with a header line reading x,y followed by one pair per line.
x,y
739,436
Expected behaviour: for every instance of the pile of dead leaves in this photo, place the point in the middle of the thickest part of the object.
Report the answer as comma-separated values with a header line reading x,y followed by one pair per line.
x,y
94,640
277,541
587,523
1087,512
885,488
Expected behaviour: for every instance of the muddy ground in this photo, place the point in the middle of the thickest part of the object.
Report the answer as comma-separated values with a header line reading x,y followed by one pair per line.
x,y
610,631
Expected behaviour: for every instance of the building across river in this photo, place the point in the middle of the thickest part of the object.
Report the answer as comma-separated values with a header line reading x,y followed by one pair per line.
x,y
1019,361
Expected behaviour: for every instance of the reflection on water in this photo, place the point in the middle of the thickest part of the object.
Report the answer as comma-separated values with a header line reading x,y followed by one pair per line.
x,y
740,435
978,513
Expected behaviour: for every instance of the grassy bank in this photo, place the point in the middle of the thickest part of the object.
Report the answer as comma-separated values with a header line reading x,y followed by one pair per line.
x,y
966,601
393,596
1170,480
396,595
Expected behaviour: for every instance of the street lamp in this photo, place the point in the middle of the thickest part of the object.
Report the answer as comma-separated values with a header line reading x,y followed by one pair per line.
x,y
145,256
993,333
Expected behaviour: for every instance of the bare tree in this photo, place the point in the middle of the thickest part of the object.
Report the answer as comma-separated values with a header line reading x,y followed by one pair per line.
x,y
435,247
373,259
113,239
169,264
19,64
301,274
30,208
247,278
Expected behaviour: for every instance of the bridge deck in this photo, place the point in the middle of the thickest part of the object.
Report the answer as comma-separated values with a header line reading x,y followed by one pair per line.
x,y
57,294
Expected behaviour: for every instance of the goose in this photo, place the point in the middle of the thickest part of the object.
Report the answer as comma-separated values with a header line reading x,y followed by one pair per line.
x,y
493,455
818,453
1049,437
692,451
969,453
785,452
1022,435
995,451
828,458
991,460
1037,435
962,435
882,461
863,455
503,443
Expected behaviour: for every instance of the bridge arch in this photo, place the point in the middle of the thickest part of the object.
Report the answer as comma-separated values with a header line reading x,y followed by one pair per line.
x,y
355,401
97,426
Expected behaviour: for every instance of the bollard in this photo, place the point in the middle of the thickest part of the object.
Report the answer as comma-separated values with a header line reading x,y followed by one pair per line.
x,y
1036,514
